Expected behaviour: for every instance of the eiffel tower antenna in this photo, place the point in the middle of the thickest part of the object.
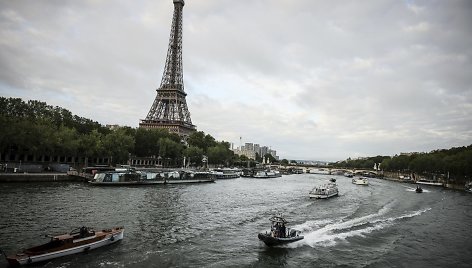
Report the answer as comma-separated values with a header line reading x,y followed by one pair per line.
x,y
169,109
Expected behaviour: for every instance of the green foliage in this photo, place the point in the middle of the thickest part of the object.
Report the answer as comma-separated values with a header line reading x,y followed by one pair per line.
x,y
17,110
35,128
258,158
194,155
366,163
118,144
90,145
219,154
200,140
243,158
271,158
147,141
456,162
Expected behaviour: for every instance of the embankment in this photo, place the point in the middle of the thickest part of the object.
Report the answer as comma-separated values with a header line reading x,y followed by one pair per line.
x,y
37,177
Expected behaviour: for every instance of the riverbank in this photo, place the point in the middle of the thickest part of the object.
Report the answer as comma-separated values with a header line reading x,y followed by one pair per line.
x,y
37,177
449,185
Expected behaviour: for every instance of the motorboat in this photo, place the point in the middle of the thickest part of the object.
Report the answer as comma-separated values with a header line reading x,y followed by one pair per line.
x,y
418,189
264,174
78,240
360,181
324,191
279,233
226,173
348,174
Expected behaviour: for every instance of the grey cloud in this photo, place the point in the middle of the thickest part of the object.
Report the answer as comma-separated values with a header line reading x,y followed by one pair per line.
x,y
313,79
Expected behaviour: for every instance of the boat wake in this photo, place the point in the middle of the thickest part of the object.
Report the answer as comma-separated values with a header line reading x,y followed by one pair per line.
x,y
328,232
411,189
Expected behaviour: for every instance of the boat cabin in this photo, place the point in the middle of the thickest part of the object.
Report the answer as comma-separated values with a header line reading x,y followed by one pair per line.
x,y
278,228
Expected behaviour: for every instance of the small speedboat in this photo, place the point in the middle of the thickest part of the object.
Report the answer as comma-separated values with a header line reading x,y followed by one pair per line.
x,y
279,234
419,189
360,181
78,240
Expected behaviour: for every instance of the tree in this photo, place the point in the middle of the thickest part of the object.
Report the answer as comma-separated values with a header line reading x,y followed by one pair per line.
x,y
118,144
218,155
199,139
147,141
258,158
194,155
271,158
90,145
66,141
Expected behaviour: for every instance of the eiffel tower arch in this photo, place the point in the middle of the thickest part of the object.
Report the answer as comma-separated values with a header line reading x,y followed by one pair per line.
x,y
169,109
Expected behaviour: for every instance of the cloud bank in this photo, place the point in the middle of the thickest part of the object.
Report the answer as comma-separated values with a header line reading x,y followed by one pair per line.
x,y
311,79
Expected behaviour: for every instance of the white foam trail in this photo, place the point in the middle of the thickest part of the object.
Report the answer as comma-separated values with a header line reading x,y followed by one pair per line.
x,y
411,189
333,232
310,225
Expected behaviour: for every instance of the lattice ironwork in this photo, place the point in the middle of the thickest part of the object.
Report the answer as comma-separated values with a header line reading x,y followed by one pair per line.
x,y
169,109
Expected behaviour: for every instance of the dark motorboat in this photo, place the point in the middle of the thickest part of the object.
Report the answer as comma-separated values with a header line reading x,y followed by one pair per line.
x,y
419,189
279,234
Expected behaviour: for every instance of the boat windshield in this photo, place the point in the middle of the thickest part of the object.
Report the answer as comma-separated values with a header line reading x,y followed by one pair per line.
x,y
278,219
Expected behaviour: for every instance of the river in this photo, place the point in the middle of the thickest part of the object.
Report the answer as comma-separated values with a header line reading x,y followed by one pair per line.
x,y
385,224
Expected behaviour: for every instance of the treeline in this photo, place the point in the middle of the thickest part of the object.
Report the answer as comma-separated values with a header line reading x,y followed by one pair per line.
x,y
35,128
455,163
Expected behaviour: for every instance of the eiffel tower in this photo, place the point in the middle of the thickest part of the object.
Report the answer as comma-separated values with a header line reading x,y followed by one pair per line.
x,y
169,109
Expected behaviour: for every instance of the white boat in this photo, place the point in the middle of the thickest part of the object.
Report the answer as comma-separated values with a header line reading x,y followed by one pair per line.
x,y
429,182
320,171
226,173
324,191
360,181
79,240
265,174
349,174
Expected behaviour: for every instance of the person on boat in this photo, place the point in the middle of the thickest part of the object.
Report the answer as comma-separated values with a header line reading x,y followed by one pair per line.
x,y
83,231
282,230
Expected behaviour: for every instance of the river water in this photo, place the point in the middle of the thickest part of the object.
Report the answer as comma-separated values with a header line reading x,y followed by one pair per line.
x,y
385,224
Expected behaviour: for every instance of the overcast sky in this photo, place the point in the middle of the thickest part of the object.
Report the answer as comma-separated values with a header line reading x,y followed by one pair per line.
x,y
320,80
